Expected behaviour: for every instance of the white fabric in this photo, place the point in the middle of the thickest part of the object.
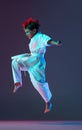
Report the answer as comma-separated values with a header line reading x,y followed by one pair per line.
x,y
34,64
39,41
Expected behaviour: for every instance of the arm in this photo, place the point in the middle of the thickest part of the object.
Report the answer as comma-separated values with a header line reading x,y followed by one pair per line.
x,y
54,42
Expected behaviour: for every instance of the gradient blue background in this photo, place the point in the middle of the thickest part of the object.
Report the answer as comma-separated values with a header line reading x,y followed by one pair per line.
x,y
62,20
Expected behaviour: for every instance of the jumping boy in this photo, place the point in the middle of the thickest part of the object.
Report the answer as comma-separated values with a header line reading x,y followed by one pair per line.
x,y
34,62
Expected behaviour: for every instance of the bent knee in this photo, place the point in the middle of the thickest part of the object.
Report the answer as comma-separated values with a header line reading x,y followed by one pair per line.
x,y
14,62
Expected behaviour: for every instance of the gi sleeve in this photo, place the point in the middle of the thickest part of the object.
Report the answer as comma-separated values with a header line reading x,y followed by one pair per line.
x,y
45,39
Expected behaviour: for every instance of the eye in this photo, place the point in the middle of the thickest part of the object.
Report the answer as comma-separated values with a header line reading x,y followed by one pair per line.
x,y
27,31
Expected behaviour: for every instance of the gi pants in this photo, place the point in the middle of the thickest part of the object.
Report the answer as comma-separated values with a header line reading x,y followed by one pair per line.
x,y
35,65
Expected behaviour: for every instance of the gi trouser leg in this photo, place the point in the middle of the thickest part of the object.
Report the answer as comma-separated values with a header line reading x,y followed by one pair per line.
x,y
42,88
18,65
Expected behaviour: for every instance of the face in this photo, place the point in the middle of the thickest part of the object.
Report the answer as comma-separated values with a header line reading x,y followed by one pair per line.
x,y
30,33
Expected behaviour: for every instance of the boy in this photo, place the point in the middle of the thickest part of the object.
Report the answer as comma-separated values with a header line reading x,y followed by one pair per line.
x,y
34,62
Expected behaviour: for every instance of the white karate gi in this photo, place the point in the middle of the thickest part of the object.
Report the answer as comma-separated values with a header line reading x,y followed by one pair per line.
x,y
34,64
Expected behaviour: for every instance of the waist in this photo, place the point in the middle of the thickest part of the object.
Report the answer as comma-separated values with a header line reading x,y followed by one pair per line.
x,y
37,54
40,51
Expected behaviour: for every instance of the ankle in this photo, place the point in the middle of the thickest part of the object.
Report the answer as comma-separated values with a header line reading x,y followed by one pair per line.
x,y
18,84
48,103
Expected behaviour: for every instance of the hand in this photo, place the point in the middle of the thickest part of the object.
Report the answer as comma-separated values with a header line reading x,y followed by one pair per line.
x,y
60,43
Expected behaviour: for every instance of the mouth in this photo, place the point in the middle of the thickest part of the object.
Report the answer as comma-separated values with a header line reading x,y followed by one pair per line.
x,y
29,37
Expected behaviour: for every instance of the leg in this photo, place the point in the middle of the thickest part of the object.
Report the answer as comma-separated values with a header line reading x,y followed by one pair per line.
x,y
17,66
44,91
21,64
37,76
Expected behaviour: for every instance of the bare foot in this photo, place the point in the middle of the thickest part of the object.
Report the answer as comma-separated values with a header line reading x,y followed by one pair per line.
x,y
48,107
17,86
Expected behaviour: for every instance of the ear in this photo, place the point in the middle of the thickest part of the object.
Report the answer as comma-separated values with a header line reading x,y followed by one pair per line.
x,y
34,30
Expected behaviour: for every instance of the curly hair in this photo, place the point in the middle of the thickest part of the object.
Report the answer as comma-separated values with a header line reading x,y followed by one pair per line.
x,y
31,24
